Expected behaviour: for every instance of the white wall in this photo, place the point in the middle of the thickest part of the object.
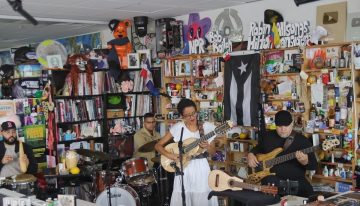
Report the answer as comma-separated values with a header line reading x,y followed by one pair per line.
x,y
254,12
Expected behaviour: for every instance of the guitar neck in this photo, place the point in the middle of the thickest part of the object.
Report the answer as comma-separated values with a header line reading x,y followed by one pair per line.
x,y
244,185
290,156
197,142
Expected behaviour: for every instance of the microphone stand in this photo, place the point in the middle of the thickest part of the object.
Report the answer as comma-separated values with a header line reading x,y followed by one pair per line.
x,y
180,144
108,182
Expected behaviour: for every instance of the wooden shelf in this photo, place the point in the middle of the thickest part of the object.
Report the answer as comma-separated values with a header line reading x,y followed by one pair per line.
x,y
178,76
209,89
337,164
329,69
281,99
337,179
329,45
274,112
282,74
194,56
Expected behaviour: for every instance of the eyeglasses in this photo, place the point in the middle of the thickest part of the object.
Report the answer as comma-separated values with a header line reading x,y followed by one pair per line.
x,y
188,116
152,122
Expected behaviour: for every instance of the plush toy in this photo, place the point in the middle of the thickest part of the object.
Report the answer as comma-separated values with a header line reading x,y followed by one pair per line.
x,y
267,86
120,46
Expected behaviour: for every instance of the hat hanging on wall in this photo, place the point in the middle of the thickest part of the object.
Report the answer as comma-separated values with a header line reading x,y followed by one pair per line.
x,y
271,16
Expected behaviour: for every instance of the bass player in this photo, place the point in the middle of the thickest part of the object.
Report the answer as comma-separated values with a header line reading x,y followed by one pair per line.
x,y
197,172
285,138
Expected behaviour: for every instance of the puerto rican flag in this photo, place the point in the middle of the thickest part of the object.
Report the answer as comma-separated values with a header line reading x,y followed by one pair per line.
x,y
148,79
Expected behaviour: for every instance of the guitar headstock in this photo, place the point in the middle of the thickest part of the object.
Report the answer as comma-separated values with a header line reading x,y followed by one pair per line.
x,y
330,143
224,127
268,189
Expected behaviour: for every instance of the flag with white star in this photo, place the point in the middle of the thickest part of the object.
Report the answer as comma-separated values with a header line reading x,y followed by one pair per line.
x,y
242,89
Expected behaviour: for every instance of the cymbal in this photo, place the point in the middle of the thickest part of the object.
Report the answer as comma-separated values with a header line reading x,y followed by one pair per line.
x,y
148,147
93,154
156,159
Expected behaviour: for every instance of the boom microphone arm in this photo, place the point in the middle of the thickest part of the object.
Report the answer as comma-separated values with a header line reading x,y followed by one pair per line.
x,y
17,6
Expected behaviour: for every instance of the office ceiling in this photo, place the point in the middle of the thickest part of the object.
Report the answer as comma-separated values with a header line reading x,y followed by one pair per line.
x,y
68,17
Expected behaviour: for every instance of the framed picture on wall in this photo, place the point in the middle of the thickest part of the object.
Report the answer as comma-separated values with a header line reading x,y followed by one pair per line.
x,y
144,55
133,60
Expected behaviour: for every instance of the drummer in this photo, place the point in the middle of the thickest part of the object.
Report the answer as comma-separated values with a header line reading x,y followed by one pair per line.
x,y
9,152
145,135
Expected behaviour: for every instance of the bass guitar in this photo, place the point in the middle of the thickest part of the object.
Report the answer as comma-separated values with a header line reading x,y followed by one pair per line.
x,y
220,181
190,148
267,161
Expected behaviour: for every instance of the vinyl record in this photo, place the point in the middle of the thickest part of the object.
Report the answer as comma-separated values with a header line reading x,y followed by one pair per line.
x,y
50,47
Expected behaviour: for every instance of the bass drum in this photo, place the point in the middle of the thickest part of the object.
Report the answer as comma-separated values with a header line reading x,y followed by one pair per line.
x,y
120,195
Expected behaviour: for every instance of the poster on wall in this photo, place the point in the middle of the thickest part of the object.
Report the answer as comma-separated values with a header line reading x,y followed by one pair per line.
x,y
5,57
333,18
81,44
35,135
353,27
7,107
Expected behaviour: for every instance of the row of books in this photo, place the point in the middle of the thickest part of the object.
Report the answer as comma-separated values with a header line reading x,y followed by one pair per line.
x,y
97,84
111,86
79,110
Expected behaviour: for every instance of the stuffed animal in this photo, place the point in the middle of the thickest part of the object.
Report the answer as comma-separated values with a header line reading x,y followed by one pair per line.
x,y
120,46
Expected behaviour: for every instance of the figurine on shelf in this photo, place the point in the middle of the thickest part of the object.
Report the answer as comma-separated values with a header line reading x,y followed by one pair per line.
x,y
119,47
325,171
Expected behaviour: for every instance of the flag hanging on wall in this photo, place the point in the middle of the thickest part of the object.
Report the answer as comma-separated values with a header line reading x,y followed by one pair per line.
x,y
242,89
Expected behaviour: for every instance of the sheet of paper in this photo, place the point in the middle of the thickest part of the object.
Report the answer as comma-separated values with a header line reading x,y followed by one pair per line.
x,y
317,94
285,88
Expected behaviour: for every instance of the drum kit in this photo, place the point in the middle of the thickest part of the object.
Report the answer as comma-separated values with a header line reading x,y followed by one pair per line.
x,y
138,177
22,183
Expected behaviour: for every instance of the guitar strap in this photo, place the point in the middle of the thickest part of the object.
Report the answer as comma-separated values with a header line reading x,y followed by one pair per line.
x,y
202,133
289,141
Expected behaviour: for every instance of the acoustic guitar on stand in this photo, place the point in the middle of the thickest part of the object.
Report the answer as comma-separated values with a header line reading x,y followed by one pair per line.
x,y
220,181
190,148
268,160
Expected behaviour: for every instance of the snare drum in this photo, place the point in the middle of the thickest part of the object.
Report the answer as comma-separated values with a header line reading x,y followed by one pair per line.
x,y
136,172
120,195
101,180
23,183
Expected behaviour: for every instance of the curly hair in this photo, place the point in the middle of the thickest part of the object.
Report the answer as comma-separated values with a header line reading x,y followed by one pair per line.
x,y
185,103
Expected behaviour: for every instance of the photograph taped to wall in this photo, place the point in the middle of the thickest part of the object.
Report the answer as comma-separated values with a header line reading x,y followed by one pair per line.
x,y
144,55
133,59
54,61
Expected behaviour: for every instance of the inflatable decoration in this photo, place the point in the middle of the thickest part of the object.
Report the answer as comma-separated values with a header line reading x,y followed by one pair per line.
x,y
119,47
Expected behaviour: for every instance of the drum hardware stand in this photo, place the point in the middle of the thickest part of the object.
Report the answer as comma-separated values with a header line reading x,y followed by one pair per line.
x,y
108,180
180,144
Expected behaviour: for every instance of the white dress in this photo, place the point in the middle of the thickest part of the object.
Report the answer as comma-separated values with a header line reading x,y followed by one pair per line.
x,y
195,174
